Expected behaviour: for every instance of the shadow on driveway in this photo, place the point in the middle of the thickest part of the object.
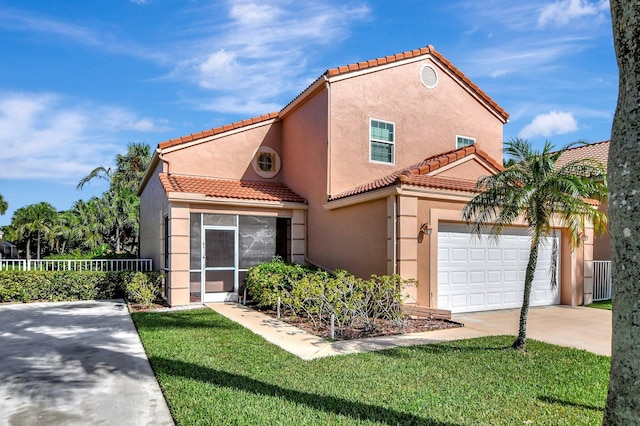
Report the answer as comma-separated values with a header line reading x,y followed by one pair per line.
x,y
75,363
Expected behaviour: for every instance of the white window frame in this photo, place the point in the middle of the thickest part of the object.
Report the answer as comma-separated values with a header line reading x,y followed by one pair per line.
x,y
458,137
393,143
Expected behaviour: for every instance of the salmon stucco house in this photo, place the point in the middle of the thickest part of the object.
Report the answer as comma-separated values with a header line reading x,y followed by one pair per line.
x,y
366,170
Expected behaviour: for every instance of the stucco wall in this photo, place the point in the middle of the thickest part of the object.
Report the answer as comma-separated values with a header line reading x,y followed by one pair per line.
x,y
427,246
469,170
153,207
228,156
426,121
304,166
355,239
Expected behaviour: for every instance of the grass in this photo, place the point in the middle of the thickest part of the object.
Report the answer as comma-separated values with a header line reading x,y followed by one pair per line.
x,y
214,371
603,304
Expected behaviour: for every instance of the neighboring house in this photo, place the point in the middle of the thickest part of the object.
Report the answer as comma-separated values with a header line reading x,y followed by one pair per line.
x,y
598,151
8,250
366,170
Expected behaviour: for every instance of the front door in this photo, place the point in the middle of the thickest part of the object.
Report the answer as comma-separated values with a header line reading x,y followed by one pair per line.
x,y
219,263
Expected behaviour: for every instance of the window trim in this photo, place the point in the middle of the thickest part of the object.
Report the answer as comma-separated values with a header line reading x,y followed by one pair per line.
x,y
393,143
464,137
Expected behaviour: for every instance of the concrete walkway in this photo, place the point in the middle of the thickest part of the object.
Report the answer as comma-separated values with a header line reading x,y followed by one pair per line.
x,y
583,328
75,363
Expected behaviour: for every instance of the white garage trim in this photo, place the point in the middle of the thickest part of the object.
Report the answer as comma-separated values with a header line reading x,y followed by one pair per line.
x,y
482,274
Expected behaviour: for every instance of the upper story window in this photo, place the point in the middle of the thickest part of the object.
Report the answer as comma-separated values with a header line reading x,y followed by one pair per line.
x,y
382,141
462,141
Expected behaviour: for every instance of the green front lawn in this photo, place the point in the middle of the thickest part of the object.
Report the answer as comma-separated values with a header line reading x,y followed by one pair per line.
x,y
214,371
603,304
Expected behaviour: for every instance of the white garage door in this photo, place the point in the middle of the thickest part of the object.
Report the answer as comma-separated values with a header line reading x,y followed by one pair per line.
x,y
480,275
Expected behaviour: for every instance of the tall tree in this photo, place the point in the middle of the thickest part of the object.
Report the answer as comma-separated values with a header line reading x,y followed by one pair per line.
x,y
623,400
121,217
34,221
545,196
3,205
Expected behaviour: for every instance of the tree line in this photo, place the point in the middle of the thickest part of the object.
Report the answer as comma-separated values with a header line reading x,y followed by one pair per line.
x,y
105,225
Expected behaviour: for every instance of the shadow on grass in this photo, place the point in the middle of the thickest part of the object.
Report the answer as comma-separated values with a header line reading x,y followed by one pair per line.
x,y
187,319
499,344
551,400
330,404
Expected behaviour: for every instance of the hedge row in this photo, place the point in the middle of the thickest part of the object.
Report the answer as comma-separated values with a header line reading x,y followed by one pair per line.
x,y
319,294
55,286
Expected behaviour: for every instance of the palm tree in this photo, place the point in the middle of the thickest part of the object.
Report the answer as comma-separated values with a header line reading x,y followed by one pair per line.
x,y
3,205
121,216
34,220
545,196
623,399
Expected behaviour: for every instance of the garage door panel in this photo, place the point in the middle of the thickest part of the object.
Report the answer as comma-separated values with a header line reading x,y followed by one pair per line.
x,y
459,277
459,255
477,299
475,275
494,298
476,254
459,300
510,297
494,277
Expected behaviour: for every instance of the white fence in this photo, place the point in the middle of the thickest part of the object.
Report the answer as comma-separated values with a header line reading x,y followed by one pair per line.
x,y
77,265
601,280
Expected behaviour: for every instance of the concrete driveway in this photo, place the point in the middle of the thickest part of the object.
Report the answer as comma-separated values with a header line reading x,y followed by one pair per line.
x,y
576,327
76,363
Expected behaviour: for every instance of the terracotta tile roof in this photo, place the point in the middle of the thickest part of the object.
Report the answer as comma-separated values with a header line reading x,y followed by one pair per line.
x,y
236,189
439,183
429,50
414,174
598,151
217,130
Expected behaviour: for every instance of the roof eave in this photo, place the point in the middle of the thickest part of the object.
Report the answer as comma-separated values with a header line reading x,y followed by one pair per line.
x,y
191,197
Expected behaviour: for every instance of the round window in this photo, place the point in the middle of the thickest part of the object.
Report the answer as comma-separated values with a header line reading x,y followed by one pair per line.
x,y
266,162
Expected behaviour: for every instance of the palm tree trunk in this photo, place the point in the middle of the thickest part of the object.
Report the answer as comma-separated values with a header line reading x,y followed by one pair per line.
x,y
38,253
521,341
28,249
623,399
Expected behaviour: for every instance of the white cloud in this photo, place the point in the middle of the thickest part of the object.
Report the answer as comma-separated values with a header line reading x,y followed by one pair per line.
x,y
261,53
549,124
141,1
27,21
563,11
45,136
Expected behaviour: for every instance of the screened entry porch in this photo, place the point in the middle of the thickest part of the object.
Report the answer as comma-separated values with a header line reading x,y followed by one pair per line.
x,y
224,246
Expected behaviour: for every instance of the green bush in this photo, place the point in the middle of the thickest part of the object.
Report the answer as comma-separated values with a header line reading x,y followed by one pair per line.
x,y
144,288
319,294
54,286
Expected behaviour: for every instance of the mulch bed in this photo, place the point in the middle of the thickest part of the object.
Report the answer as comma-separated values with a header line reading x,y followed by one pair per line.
x,y
383,327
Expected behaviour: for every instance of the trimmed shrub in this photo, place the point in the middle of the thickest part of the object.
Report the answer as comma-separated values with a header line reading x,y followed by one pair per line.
x,y
319,294
144,288
54,286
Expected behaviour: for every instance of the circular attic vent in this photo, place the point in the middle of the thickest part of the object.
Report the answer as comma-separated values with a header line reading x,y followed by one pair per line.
x,y
428,76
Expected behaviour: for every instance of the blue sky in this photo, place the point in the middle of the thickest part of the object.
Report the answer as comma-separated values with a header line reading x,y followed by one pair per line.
x,y
80,80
